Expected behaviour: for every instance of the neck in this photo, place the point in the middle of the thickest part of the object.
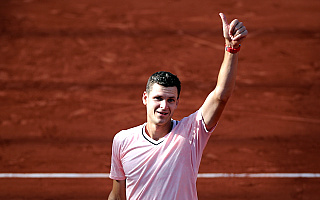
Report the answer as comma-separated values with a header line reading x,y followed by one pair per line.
x,y
158,131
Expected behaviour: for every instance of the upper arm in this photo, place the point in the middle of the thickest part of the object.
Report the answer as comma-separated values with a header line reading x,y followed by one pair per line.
x,y
118,191
211,109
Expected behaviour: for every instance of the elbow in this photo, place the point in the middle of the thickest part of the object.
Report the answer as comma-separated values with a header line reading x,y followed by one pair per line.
x,y
222,96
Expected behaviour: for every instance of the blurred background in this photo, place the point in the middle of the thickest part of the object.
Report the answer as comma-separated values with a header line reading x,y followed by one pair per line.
x,y
72,74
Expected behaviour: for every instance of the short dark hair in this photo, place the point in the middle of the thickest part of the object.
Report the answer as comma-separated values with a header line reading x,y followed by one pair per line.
x,y
165,79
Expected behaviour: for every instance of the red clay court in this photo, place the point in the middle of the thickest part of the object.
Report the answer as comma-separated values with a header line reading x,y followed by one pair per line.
x,y
72,75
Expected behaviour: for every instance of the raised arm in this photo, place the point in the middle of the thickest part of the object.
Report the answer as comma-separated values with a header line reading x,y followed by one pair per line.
x,y
234,33
118,191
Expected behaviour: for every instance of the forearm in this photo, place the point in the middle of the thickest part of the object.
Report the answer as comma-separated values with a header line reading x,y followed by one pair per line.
x,y
212,108
114,197
118,190
227,77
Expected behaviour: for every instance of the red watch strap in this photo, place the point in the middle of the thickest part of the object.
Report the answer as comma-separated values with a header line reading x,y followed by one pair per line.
x,y
233,50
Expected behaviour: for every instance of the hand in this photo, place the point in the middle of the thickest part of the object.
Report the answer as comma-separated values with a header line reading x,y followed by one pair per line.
x,y
234,33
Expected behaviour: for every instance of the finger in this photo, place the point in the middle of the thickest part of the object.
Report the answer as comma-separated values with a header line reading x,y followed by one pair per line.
x,y
223,19
240,36
239,31
232,26
238,26
225,26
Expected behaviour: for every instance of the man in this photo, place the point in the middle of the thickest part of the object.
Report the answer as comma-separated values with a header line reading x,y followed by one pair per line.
x,y
159,160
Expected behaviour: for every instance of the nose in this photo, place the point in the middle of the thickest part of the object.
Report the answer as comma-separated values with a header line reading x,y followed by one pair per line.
x,y
164,104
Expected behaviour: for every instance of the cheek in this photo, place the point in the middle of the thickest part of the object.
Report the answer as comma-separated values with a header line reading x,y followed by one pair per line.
x,y
173,106
152,105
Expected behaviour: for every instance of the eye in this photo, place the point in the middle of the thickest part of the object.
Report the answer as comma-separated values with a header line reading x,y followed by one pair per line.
x,y
158,98
171,100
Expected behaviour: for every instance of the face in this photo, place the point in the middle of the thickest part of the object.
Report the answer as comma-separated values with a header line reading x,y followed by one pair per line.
x,y
161,103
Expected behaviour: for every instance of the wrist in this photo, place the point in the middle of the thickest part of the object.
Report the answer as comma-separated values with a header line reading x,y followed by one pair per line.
x,y
232,44
232,49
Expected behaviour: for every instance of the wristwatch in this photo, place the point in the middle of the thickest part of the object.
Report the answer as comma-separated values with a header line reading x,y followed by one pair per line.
x,y
233,50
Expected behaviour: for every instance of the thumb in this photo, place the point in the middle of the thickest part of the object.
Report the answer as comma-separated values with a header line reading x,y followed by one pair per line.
x,y
223,19
225,26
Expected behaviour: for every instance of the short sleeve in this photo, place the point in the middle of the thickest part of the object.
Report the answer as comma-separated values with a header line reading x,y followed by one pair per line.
x,y
203,125
199,137
116,172
199,132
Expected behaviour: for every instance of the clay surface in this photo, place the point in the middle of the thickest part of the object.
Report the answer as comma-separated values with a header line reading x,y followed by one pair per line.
x,y
72,74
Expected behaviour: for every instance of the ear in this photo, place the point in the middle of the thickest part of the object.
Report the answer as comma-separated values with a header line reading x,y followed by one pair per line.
x,y
144,98
177,103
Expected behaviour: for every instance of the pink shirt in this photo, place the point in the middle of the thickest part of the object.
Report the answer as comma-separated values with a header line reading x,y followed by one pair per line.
x,y
166,169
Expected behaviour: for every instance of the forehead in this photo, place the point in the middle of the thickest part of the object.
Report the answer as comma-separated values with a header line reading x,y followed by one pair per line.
x,y
159,90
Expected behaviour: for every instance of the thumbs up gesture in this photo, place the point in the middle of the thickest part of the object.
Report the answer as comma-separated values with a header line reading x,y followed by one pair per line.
x,y
234,33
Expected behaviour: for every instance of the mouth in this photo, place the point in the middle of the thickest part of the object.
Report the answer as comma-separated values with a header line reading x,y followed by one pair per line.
x,y
162,113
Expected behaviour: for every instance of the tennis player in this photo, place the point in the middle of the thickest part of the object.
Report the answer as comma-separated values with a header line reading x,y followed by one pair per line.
x,y
160,159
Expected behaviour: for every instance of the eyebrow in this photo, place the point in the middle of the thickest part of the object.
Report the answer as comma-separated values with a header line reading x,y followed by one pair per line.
x,y
170,97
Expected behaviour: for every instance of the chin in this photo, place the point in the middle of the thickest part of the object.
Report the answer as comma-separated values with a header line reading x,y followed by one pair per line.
x,y
163,121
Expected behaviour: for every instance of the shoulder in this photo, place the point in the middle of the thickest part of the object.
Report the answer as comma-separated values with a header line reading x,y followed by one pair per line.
x,y
185,123
191,118
194,120
127,134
